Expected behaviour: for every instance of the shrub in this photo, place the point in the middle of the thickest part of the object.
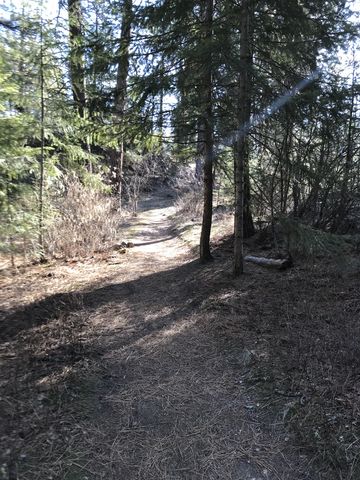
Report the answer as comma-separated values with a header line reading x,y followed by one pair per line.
x,y
86,221
189,204
303,240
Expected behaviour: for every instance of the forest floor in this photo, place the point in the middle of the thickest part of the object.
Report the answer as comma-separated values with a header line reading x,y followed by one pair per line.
x,y
148,365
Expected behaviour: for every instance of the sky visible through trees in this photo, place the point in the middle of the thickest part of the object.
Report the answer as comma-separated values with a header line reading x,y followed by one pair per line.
x,y
142,74
50,9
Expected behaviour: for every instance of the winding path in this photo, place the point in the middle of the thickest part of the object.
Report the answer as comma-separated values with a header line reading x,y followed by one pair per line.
x,y
171,404
164,386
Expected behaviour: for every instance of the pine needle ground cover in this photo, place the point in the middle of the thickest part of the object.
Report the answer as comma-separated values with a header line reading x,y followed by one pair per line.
x,y
159,368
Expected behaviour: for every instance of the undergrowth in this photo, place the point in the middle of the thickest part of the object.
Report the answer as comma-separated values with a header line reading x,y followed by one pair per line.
x,y
189,204
86,221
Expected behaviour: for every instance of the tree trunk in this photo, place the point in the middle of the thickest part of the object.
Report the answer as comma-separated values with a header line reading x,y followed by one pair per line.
x,y
199,160
121,168
123,58
160,122
205,253
161,116
344,194
241,145
249,228
121,87
239,208
77,73
280,264
42,148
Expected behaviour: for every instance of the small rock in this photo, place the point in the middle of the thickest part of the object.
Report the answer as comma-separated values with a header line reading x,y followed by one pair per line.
x,y
119,246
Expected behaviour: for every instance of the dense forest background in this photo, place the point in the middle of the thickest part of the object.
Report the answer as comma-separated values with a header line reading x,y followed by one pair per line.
x,y
260,99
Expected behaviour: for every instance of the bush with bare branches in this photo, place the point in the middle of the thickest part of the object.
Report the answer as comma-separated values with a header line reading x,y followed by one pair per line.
x,y
86,221
189,204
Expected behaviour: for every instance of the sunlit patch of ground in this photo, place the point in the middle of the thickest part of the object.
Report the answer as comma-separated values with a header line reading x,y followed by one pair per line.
x,y
151,233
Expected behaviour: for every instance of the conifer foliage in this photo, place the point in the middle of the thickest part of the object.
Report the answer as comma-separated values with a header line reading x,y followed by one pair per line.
x,y
87,89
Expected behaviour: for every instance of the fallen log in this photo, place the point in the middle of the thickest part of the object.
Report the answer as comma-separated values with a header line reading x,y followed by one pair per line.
x,y
280,264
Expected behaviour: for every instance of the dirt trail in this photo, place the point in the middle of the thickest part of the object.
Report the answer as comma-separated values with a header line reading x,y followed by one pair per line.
x,y
170,399
152,231
181,373
171,406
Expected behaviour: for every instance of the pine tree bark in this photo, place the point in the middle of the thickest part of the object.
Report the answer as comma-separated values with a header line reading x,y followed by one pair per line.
x,y
241,144
344,194
205,253
160,122
42,148
249,228
123,58
199,161
121,86
77,72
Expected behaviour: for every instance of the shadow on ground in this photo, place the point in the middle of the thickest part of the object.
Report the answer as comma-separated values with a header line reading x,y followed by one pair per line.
x,y
187,374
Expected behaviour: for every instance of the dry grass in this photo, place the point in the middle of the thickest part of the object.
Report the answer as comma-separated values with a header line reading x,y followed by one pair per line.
x,y
189,204
86,221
